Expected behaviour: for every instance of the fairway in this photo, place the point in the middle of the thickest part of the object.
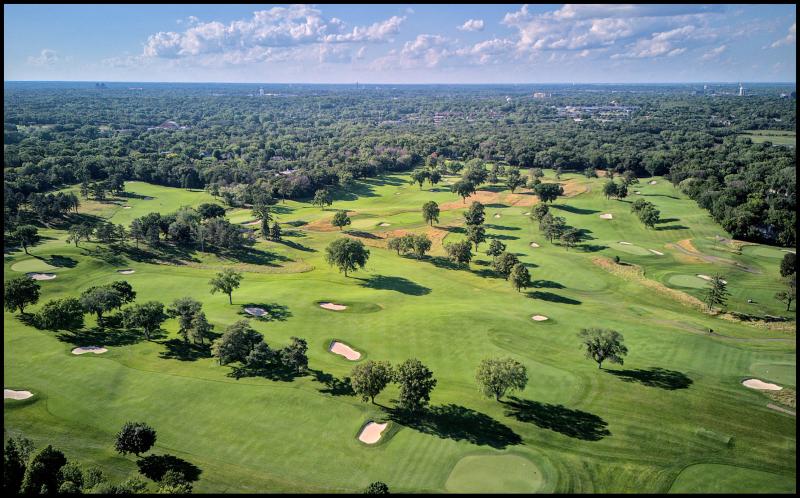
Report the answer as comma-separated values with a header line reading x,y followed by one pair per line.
x,y
661,422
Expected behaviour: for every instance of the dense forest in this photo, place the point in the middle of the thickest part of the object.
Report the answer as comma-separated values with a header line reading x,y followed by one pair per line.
x,y
286,141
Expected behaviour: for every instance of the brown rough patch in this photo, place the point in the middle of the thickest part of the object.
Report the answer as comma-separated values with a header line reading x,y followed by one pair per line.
x,y
324,224
786,396
523,198
762,324
381,239
687,245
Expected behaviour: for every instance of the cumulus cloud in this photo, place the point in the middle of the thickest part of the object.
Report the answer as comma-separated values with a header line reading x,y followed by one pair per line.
x,y
714,53
46,57
789,39
659,44
472,25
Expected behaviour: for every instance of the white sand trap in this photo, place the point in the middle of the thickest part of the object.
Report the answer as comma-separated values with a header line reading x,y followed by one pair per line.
x,y
256,311
637,192
333,306
788,250
372,432
656,252
497,215
526,214
626,243
761,385
539,318
11,394
607,216
344,350
126,207
384,224
252,223
653,182
89,349
706,277
42,276
534,244
127,271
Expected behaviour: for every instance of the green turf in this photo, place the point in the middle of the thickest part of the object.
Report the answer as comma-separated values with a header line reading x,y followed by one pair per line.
x,y
32,265
764,251
691,281
774,136
585,429
785,374
494,474
714,478
632,249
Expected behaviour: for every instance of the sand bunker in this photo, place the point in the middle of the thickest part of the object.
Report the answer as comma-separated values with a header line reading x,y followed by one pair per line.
x,y
653,182
126,207
607,216
42,276
11,394
656,252
384,224
763,386
256,311
626,243
706,277
127,271
371,432
526,214
497,215
539,318
534,244
332,306
252,223
89,349
344,350
637,192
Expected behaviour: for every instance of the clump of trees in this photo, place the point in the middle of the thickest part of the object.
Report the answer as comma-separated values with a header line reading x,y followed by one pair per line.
x,y
240,343
646,211
20,292
347,255
416,244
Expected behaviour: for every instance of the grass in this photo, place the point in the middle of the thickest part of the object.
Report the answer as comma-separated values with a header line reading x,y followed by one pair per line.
x,y
584,429
775,136
494,474
715,478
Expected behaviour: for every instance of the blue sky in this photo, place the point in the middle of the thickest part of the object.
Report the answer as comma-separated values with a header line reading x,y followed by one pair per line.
x,y
401,43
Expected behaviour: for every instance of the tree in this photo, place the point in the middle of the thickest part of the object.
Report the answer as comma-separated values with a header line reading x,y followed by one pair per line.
x,y
275,232
43,475
377,488
99,300
226,282
236,343
147,316
135,437
125,291
260,356
174,482
610,189
401,244
548,192
340,219
539,211
603,345
504,263
476,234
322,198
520,277
790,294
420,244
209,210
80,231
185,309
622,190
496,247
419,176
263,212
430,212
26,235
459,252
20,292
71,479
416,383
200,328
347,255
717,293
559,172
137,231
434,176
294,355
514,180
464,188
788,264
570,236
552,226
61,314
496,376
368,379
475,215
13,468
649,215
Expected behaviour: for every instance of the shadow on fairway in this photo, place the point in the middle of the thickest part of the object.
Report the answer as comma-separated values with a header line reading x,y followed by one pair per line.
x,y
59,261
503,237
442,262
551,297
254,257
672,227
573,209
501,227
155,466
399,284
546,284
275,312
591,247
655,377
178,349
572,423
107,336
363,235
333,386
295,245
458,423
276,372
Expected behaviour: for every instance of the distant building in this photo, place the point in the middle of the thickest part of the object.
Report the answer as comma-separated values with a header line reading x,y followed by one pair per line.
x,y
741,90
169,125
540,95
261,92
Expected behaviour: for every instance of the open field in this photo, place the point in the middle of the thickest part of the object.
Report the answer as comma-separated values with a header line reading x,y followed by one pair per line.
x,y
774,136
674,418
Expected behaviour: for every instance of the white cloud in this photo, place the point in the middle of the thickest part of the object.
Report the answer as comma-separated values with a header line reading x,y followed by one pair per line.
x,y
659,44
789,39
472,25
714,53
46,57
377,32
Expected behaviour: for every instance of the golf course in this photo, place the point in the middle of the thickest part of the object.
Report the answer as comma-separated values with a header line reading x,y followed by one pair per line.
x,y
675,417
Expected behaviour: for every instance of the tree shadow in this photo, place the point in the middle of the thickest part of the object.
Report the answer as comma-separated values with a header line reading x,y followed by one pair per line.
x,y
295,245
363,235
254,256
546,284
573,209
178,349
399,284
296,223
551,297
107,336
655,377
667,220
442,262
501,227
591,247
106,254
453,229
659,195
272,371
502,237
458,423
496,205
672,227
155,466
59,261
333,385
275,312
572,423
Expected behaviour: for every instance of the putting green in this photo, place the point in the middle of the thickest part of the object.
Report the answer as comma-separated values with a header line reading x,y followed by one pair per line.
x,y
784,374
716,478
691,281
763,251
632,249
32,265
494,474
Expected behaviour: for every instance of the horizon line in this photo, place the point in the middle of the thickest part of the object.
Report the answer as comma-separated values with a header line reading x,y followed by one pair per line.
x,y
408,84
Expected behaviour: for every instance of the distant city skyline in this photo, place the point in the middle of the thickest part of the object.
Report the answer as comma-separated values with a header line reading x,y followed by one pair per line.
x,y
401,44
